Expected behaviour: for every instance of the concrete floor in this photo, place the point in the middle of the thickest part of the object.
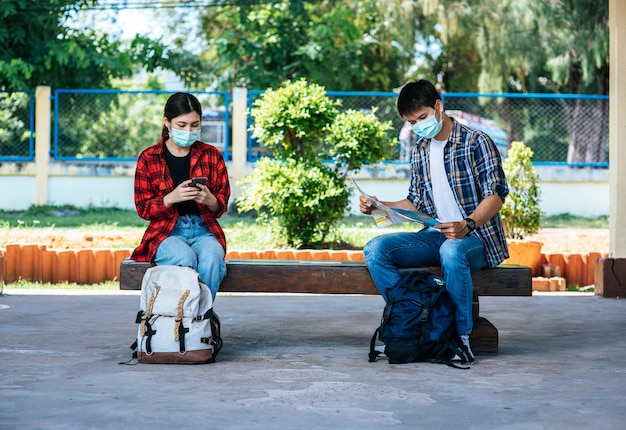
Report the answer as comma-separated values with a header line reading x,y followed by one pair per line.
x,y
300,362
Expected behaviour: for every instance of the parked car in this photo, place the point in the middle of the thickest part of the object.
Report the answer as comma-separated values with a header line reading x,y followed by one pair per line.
x,y
499,136
213,128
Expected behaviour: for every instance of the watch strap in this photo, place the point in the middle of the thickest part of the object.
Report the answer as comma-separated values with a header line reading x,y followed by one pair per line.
x,y
471,224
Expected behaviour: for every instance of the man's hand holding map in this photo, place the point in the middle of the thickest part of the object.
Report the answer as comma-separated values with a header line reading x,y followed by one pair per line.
x,y
386,216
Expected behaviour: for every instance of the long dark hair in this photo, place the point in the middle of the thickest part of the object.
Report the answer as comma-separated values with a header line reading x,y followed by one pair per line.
x,y
180,104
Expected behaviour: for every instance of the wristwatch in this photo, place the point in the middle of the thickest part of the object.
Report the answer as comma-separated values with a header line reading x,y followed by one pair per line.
x,y
471,224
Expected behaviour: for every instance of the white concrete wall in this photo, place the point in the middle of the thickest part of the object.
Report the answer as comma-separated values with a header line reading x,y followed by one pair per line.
x,y
583,192
95,191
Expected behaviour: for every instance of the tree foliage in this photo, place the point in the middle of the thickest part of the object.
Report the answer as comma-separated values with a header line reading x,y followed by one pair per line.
x,y
38,48
290,121
354,45
356,138
14,117
98,126
299,199
532,45
538,46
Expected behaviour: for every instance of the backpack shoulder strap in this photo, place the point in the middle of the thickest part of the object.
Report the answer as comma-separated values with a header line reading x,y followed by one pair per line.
x,y
373,352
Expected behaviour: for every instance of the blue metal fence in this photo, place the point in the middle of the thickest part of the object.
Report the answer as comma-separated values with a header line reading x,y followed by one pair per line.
x,y
17,126
561,129
116,125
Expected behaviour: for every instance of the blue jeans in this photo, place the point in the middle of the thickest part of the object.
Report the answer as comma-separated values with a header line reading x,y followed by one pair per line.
x,y
191,244
385,254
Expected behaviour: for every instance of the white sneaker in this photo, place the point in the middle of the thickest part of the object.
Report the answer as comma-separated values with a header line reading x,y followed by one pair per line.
x,y
465,346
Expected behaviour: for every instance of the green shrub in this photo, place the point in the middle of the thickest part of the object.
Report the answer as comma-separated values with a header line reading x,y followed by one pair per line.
x,y
299,200
357,138
290,120
301,192
521,214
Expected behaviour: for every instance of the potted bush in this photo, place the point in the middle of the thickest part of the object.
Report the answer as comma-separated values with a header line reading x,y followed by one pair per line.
x,y
521,214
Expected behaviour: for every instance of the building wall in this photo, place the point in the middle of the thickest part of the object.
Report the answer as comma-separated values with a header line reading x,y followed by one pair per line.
x,y
583,192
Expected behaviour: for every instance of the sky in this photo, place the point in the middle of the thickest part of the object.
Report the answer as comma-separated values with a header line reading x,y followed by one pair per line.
x,y
134,21
127,22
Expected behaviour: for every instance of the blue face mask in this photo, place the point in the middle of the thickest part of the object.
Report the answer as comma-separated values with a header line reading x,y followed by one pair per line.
x,y
429,127
184,138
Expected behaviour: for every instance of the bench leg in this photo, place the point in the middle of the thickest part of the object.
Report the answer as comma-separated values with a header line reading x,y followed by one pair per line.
x,y
484,337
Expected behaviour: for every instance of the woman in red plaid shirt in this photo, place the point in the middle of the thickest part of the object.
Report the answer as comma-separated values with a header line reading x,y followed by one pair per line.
x,y
183,213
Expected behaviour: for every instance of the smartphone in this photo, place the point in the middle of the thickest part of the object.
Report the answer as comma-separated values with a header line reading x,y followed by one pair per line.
x,y
198,181
195,181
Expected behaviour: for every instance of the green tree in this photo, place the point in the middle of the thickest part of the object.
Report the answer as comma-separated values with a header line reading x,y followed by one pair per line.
x,y
108,125
354,45
299,200
538,46
576,44
291,121
38,48
356,138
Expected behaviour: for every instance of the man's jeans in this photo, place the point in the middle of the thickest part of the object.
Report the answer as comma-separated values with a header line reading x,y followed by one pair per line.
x,y
191,244
385,254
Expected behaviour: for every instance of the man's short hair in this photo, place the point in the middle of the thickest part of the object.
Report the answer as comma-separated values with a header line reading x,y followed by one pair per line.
x,y
416,95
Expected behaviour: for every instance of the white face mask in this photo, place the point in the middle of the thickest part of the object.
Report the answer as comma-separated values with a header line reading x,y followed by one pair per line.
x,y
184,138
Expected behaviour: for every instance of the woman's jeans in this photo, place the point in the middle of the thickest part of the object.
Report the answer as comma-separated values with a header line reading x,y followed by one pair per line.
x,y
385,254
191,244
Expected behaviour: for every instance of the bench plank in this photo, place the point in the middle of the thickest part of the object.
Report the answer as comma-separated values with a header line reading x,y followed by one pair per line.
x,y
328,277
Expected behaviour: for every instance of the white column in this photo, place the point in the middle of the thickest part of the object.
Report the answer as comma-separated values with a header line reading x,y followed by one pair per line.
x,y
42,143
617,129
240,139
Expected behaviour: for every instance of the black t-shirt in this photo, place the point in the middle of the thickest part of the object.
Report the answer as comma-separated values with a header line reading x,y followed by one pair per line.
x,y
179,169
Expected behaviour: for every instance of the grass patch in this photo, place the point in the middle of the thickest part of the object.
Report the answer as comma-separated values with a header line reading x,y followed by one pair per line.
x,y
567,220
70,216
28,285
578,289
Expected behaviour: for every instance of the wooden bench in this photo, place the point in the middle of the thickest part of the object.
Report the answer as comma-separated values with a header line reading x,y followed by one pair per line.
x,y
334,277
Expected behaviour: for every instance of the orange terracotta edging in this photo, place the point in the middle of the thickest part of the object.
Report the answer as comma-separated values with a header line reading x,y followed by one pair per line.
x,y
576,268
297,254
33,262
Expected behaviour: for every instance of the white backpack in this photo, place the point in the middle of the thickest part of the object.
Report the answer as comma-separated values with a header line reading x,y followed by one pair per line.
x,y
176,320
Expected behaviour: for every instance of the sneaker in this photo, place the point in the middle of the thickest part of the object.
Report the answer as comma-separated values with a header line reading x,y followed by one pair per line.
x,y
467,350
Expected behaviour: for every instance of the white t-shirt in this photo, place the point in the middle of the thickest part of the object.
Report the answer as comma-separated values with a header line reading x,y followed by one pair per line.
x,y
445,203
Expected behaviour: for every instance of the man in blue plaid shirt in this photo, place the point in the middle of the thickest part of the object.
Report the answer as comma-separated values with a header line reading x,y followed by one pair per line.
x,y
457,178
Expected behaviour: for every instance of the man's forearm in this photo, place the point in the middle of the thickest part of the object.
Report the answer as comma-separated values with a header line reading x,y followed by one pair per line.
x,y
490,206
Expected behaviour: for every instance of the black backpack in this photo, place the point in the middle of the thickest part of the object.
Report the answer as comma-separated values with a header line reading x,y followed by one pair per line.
x,y
418,322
